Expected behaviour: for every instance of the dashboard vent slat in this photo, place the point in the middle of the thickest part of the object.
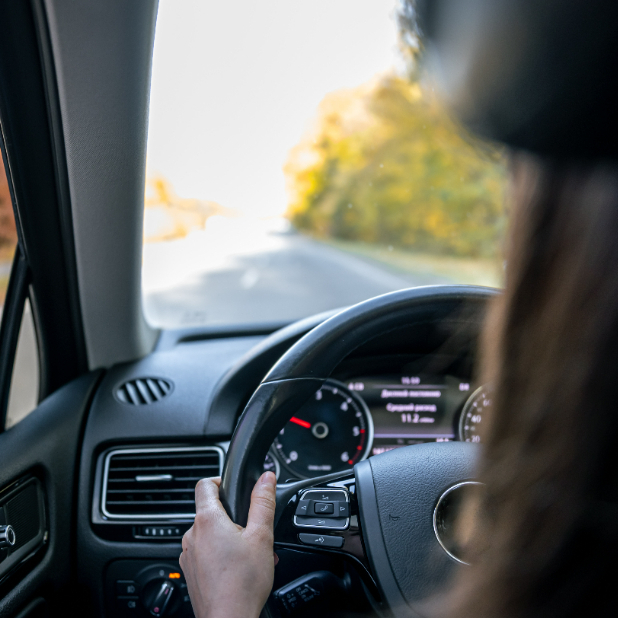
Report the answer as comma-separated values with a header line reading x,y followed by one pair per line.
x,y
143,391
127,496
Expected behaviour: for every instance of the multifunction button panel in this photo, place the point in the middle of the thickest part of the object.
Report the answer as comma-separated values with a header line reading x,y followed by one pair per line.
x,y
328,508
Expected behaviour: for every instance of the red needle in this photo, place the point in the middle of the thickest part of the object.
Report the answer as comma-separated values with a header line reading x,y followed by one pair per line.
x,y
300,422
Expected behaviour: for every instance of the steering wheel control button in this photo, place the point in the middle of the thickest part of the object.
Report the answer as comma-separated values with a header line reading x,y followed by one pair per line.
x,y
303,507
320,540
328,495
126,588
324,508
342,509
321,522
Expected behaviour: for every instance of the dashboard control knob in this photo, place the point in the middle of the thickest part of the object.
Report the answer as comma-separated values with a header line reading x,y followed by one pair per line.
x,y
157,597
7,536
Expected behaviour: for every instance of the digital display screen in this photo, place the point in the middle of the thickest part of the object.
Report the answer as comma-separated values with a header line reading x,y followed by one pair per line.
x,y
411,409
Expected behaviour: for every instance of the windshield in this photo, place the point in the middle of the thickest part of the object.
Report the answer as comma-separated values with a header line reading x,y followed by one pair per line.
x,y
299,160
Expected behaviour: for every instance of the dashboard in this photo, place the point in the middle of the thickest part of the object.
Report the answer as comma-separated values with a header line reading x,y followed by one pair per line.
x,y
345,422
159,424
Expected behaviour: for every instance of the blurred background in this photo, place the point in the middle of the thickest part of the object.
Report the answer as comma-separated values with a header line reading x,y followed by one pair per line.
x,y
300,159
24,391
8,233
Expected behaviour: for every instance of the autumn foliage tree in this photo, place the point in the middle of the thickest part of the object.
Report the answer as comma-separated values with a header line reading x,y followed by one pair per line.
x,y
8,232
168,216
385,164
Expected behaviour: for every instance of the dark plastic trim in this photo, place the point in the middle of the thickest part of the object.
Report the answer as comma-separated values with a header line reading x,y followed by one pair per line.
x,y
31,164
171,337
47,444
35,609
61,172
17,558
319,352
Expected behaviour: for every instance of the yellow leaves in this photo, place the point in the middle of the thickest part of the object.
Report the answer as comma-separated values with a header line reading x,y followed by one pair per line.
x,y
161,192
436,223
415,92
415,179
168,216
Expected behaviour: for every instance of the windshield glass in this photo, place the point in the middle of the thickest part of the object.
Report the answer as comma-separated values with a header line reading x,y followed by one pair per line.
x,y
299,160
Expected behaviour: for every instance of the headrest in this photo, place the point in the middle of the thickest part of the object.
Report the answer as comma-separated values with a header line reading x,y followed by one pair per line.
x,y
539,75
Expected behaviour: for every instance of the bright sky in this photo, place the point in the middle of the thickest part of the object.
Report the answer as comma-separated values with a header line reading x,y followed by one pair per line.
x,y
236,84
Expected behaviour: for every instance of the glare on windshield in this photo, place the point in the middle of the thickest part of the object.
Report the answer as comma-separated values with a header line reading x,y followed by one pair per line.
x,y
300,160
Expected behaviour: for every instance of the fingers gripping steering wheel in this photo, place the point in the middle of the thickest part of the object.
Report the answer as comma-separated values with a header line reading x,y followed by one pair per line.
x,y
398,490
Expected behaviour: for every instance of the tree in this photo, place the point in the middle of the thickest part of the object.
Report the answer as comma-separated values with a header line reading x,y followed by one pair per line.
x,y
8,231
385,164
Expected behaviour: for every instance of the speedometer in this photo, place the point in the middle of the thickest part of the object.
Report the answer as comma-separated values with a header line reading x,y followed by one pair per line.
x,y
473,415
329,433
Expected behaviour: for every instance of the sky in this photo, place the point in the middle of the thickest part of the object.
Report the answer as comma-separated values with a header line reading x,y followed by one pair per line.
x,y
236,84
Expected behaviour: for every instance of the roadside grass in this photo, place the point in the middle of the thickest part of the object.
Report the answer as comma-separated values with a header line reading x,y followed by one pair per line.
x,y
7,251
474,271
4,284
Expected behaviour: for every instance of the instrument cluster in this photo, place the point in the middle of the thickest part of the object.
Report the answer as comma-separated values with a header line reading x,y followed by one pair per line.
x,y
345,422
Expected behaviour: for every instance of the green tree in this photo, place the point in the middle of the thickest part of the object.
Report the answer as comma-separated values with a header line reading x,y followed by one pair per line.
x,y
386,164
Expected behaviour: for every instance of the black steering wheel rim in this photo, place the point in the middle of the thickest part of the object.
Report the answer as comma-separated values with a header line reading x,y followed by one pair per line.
x,y
310,361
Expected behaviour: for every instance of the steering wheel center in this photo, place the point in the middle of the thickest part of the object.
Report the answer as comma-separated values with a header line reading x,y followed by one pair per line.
x,y
454,518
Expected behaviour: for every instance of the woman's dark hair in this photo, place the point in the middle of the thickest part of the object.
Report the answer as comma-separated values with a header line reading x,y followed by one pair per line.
x,y
548,538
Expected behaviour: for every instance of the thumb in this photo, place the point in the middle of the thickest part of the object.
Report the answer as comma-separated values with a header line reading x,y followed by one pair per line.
x,y
263,501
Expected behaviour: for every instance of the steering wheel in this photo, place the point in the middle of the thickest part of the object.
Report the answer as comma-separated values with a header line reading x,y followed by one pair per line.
x,y
395,493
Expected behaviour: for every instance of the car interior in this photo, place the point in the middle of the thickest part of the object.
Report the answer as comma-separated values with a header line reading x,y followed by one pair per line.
x,y
368,414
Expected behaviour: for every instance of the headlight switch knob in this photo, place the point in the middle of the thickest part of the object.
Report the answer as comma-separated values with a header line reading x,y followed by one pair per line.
x,y
157,596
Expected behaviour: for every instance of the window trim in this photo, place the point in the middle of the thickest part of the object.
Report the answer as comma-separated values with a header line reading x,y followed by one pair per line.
x,y
34,172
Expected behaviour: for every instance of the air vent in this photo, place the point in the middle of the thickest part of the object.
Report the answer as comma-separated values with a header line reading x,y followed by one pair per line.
x,y
142,391
156,483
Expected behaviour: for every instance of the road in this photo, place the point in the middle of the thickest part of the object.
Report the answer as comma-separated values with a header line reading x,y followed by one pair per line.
x,y
238,271
25,380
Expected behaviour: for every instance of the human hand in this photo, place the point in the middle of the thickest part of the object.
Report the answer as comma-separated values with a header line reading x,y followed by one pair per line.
x,y
230,569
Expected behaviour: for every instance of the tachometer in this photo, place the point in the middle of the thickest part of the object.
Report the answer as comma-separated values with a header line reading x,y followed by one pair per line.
x,y
472,415
271,464
329,433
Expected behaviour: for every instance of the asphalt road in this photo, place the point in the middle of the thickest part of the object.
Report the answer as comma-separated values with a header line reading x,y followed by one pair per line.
x,y
237,272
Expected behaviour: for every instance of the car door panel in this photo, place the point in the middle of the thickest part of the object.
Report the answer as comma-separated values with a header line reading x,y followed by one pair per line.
x,y
46,446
